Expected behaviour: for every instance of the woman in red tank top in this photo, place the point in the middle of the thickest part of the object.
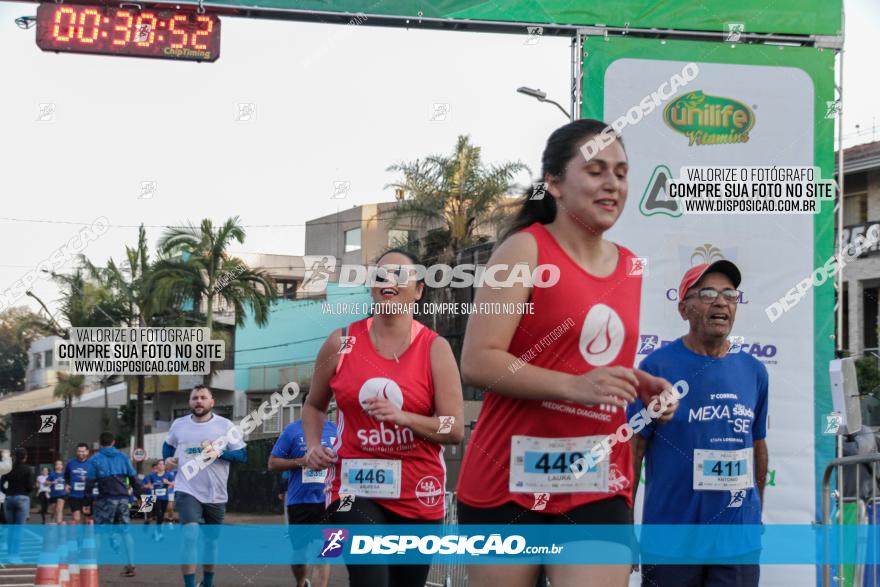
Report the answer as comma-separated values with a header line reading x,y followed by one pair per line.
x,y
398,392
557,379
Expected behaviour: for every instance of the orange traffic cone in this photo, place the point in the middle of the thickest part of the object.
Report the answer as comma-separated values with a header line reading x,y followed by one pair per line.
x,y
88,560
63,553
48,571
73,554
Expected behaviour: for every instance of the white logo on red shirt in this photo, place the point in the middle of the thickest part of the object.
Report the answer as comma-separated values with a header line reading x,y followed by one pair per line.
x,y
381,387
601,336
429,491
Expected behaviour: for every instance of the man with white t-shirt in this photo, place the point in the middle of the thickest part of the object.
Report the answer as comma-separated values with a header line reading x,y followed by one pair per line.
x,y
201,446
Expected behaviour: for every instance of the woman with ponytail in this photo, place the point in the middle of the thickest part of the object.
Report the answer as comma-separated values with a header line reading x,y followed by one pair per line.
x,y
557,380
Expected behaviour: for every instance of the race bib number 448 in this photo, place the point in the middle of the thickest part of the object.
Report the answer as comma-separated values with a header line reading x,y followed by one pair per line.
x,y
544,465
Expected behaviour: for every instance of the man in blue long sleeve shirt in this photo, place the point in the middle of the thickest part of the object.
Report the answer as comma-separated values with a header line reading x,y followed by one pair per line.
x,y
113,474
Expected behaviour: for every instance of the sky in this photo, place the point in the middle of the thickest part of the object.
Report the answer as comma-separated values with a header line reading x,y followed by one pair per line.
x,y
333,105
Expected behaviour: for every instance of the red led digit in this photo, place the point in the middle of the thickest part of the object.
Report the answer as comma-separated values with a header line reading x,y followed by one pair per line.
x,y
145,32
96,25
125,29
71,29
207,31
183,36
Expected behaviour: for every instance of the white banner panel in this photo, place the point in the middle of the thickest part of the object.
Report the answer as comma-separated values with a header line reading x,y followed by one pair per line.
x,y
774,252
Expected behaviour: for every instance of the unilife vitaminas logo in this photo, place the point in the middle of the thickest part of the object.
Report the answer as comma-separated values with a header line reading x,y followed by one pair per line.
x,y
709,120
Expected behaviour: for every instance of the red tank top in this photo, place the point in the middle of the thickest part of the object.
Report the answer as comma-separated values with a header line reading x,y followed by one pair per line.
x,y
521,450
388,464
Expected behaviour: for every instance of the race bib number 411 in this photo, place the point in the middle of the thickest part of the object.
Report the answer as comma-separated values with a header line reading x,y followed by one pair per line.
x,y
723,469
544,465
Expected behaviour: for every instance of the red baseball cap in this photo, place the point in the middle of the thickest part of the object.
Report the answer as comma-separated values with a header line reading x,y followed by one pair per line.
x,y
694,274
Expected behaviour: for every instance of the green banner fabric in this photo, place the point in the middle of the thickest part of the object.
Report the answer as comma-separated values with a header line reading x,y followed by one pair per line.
x,y
795,17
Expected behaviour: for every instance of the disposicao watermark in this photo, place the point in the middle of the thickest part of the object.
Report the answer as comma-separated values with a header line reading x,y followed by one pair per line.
x,y
665,91
823,273
248,424
60,257
600,451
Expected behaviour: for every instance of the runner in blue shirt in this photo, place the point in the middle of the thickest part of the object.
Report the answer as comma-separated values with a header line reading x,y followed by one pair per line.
x,y
161,483
305,492
77,472
708,465
57,491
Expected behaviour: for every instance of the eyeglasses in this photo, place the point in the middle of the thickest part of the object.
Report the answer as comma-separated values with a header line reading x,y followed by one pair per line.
x,y
708,295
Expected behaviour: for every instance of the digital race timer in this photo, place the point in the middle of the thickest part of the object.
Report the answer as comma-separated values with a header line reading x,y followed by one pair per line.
x,y
166,34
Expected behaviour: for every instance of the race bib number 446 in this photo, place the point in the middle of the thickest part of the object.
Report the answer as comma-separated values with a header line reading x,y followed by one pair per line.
x,y
371,478
544,465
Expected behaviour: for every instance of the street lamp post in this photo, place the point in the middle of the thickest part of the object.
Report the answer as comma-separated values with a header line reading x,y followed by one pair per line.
x,y
542,97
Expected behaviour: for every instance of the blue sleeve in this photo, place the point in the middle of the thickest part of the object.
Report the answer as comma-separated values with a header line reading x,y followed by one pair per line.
x,y
759,431
96,466
235,456
167,450
130,468
284,444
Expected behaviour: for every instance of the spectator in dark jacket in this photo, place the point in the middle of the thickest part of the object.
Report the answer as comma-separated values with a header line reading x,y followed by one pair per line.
x,y
114,475
17,484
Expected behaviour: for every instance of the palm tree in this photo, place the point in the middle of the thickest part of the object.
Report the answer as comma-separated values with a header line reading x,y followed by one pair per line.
x,y
68,388
197,268
130,284
457,192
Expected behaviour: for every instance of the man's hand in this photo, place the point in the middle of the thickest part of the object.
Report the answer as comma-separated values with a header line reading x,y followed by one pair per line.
x,y
653,388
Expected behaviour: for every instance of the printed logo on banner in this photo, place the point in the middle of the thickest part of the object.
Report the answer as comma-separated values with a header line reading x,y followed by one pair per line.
x,y
709,120
655,199
705,253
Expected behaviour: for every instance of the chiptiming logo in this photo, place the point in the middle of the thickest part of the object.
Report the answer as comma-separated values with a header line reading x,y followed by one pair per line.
x,y
709,120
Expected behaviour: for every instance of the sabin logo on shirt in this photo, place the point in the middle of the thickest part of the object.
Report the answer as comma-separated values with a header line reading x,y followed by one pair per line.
x,y
385,435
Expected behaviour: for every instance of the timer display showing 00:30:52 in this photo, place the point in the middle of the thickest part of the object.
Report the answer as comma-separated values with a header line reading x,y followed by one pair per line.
x,y
166,34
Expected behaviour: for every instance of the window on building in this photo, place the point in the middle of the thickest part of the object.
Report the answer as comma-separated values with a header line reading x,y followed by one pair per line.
x,y
352,240
402,238
844,297
285,288
272,425
47,359
869,322
37,360
855,208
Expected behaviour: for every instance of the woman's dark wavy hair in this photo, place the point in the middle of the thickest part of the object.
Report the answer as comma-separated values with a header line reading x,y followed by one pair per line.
x,y
414,259
562,146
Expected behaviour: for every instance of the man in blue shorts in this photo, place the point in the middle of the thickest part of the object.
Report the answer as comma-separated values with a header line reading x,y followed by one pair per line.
x,y
708,465
202,446
160,483
77,472
305,493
